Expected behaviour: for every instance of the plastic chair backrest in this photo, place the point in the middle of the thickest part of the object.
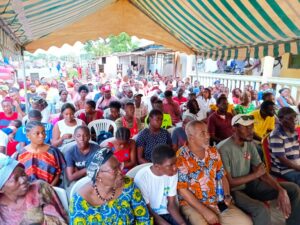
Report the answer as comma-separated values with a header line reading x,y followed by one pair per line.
x,y
102,125
79,112
62,195
131,173
79,184
267,152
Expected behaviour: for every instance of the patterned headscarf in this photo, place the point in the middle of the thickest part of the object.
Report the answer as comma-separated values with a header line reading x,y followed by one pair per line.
x,y
7,166
97,160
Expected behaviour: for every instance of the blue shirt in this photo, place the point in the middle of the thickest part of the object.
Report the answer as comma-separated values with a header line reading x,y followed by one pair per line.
x,y
148,140
21,134
75,158
179,137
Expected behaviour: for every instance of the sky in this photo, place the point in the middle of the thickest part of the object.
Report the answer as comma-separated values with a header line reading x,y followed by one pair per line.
x,y
67,49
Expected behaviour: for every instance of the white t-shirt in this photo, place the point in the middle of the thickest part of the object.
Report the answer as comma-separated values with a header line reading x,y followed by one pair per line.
x,y
156,189
3,139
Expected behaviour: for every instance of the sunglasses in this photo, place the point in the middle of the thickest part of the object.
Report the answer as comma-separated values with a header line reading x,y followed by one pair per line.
x,y
245,118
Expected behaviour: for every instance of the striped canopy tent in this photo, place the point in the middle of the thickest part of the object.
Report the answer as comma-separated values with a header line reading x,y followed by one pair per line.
x,y
210,28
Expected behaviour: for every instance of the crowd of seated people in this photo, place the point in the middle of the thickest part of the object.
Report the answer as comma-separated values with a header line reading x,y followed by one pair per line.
x,y
209,157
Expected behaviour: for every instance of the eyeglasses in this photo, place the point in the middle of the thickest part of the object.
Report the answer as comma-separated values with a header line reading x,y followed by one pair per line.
x,y
114,171
245,118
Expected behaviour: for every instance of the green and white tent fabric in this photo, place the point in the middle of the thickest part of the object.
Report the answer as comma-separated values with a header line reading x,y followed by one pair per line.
x,y
230,29
210,28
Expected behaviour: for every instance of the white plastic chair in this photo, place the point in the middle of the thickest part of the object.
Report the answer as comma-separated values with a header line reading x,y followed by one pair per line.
x,y
79,112
62,195
131,173
79,184
105,142
102,125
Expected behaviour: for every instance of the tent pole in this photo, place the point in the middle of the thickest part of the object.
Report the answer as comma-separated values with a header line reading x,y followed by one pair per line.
x,y
196,67
25,84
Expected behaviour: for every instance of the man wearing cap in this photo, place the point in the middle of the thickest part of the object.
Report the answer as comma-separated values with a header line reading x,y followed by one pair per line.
x,y
104,101
141,110
250,184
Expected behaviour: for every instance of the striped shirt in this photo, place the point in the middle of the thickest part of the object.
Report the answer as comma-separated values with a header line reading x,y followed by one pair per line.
x,y
283,144
42,166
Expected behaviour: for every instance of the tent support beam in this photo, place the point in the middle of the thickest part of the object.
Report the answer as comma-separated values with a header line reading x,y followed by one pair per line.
x,y
9,32
25,84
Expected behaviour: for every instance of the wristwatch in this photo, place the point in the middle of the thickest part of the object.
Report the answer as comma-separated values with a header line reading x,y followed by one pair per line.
x,y
227,197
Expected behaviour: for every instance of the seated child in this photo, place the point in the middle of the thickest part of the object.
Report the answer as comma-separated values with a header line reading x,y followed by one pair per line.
x,y
158,183
12,127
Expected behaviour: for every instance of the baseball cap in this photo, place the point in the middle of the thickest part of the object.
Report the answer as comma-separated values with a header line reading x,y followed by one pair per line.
x,y
138,94
217,82
105,88
242,119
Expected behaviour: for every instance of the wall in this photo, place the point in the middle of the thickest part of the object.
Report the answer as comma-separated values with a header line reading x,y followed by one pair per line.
x,y
285,70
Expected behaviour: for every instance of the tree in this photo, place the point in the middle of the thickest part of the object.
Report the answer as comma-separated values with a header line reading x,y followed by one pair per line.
x,y
119,43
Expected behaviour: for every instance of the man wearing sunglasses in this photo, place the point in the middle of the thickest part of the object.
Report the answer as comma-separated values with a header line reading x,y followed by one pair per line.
x,y
250,184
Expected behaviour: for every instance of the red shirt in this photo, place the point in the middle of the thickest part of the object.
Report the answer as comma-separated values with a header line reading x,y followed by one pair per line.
x,y
4,120
180,100
83,117
220,127
173,110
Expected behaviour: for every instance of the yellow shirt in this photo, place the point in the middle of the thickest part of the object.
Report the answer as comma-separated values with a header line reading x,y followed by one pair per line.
x,y
262,125
230,109
166,123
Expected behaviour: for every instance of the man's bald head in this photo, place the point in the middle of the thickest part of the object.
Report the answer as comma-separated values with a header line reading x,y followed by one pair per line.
x,y
191,127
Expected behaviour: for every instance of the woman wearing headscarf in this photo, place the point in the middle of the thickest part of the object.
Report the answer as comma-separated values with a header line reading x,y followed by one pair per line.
x,y
22,202
41,161
110,198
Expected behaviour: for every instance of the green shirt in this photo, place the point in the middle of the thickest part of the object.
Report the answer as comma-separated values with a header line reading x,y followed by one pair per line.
x,y
240,109
238,160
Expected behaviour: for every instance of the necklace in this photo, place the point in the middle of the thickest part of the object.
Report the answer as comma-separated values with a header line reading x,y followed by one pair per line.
x,y
104,199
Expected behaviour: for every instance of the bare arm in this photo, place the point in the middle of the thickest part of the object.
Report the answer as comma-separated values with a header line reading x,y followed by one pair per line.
x,y
132,161
173,209
140,155
288,163
73,174
56,139
3,149
237,181
175,147
55,180
157,219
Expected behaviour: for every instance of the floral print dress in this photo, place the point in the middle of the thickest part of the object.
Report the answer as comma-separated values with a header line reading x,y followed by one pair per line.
x,y
129,208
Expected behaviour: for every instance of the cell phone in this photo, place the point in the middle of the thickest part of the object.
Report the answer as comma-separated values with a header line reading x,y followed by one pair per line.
x,y
222,206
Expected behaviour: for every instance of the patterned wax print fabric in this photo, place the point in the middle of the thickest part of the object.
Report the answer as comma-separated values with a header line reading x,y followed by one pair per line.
x,y
200,176
41,206
128,209
44,166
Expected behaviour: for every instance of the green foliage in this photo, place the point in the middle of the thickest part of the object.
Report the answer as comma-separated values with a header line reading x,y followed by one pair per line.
x,y
113,44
